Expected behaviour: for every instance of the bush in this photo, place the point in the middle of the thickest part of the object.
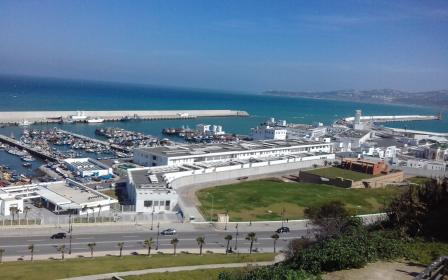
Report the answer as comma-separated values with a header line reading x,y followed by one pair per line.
x,y
347,251
278,272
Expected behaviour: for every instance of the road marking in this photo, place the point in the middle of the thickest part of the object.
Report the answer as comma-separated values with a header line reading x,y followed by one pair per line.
x,y
130,236
36,240
83,238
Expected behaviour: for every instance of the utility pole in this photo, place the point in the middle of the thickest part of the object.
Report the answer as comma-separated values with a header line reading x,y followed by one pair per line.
x,y
227,217
283,216
211,217
236,237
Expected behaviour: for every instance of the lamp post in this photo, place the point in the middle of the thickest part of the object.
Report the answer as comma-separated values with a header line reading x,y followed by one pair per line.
x,y
283,216
70,230
227,217
152,218
236,237
211,217
158,233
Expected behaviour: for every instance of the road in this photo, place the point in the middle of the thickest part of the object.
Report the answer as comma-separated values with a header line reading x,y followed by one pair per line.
x,y
17,246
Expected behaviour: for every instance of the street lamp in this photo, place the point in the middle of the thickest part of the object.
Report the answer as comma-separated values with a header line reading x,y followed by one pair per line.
x,y
227,217
158,232
152,218
70,230
236,237
283,216
211,217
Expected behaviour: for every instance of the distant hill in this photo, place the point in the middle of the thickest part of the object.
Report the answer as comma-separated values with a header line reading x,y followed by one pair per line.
x,y
434,99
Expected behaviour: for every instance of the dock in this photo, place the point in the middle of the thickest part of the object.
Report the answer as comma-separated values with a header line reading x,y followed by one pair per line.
x,y
83,137
397,118
17,117
31,150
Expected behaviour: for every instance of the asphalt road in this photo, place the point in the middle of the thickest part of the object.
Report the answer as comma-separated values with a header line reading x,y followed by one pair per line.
x,y
17,246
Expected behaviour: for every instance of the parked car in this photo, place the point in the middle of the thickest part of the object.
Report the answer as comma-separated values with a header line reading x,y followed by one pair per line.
x,y
170,231
282,230
59,235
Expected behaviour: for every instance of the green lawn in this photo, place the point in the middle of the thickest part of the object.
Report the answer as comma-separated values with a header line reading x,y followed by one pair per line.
x,y
420,180
264,199
333,172
201,274
56,269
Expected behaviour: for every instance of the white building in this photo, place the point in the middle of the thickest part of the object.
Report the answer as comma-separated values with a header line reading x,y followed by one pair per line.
x,y
351,139
60,197
190,154
86,167
267,132
210,129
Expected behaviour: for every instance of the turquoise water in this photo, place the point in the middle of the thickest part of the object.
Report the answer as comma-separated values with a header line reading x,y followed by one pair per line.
x,y
28,94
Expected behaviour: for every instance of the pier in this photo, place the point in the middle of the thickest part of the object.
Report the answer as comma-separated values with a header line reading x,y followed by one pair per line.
x,y
58,116
399,118
107,144
31,150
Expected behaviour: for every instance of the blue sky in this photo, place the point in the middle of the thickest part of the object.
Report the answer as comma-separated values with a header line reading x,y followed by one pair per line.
x,y
235,45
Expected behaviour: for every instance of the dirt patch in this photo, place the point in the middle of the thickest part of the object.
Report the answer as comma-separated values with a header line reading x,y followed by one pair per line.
x,y
378,271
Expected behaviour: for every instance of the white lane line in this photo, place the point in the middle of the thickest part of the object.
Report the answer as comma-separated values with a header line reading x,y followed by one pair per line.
x,y
36,240
130,236
83,238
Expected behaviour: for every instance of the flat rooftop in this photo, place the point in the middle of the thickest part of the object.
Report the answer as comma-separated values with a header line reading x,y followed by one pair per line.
x,y
85,164
200,149
353,133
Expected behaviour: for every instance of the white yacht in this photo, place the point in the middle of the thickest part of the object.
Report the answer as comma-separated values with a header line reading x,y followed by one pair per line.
x,y
95,120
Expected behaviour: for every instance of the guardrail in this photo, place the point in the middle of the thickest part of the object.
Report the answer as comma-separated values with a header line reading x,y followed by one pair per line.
x,y
435,271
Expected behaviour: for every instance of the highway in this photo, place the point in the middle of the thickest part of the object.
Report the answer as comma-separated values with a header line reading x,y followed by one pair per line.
x,y
17,246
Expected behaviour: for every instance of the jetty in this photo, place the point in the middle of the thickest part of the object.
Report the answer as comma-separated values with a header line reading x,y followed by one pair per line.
x,y
105,143
31,150
397,118
18,117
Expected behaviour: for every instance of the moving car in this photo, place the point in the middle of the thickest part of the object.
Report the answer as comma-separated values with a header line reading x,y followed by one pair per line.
x,y
59,235
282,230
170,231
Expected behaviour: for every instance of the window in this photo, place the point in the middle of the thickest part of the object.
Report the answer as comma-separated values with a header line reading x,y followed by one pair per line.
x,y
156,203
147,203
154,158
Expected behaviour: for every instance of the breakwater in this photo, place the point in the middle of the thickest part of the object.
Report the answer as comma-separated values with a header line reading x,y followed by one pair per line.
x,y
58,116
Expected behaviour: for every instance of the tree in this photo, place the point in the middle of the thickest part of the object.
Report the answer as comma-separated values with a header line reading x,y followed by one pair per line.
x,y
275,237
13,212
201,241
228,238
99,209
120,246
2,251
329,218
91,247
252,237
86,209
174,242
148,243
26,210
61,249
31,248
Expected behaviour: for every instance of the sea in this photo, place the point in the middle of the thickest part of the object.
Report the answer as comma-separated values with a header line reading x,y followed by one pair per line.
x,y
40,94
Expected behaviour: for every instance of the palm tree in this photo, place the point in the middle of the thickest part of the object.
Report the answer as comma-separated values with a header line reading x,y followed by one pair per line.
x,y
17,210
201,242
2,251
275,237
252,237
86,209
13,212
120,246
26,210
228,238
148,243
91,247
61,249
31,248
99,209
174,242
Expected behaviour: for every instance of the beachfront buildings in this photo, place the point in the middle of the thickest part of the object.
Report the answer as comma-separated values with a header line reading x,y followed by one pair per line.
x,y
244,150
61,197
160,186
88,167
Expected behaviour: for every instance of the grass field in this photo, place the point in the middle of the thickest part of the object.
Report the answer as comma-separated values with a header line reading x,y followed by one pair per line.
x,y
420,180
333,172
201,274
264,199
56,269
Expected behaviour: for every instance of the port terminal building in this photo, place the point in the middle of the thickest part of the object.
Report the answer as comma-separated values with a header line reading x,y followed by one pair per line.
x,y
60,197
88,167
170,171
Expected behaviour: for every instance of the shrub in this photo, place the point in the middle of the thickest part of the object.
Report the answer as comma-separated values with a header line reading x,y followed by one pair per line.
x,y
278,272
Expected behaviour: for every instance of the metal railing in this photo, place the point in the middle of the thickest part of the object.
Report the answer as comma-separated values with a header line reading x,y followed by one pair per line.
x,y
435,271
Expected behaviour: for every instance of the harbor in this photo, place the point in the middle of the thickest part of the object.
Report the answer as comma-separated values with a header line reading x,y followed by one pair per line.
x,y
30,117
